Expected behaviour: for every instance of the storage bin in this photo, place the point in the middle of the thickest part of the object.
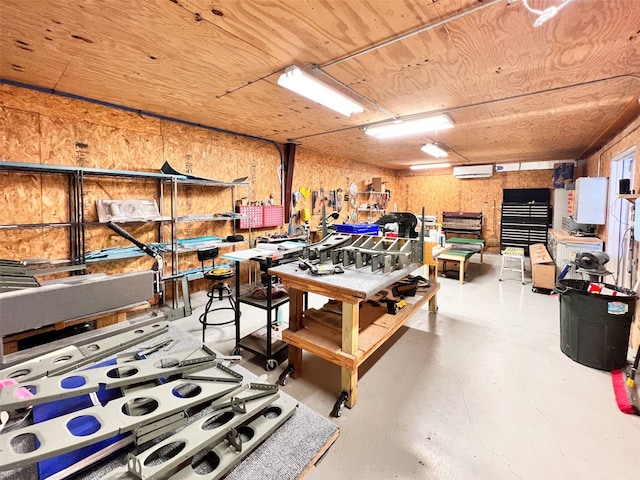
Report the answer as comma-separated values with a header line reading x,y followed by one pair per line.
x,y
594,328
357,228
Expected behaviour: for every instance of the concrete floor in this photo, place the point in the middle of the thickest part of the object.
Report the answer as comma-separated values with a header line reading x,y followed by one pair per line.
x,y
480,390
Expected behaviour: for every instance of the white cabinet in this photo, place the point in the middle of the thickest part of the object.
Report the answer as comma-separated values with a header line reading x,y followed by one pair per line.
x,y
588,202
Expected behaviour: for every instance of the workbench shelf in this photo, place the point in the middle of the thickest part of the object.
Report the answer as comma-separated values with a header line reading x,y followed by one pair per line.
x,y
325,341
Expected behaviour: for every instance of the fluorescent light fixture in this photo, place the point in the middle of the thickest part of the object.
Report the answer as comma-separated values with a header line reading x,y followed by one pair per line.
x,y
410,127
429,166
434,150
546,14
308,86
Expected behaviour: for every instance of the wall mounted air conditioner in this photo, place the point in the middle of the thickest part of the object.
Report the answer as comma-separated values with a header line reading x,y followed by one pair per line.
x,y
473,171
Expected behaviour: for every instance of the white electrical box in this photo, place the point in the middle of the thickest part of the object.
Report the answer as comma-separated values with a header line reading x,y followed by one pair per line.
x,y
588,202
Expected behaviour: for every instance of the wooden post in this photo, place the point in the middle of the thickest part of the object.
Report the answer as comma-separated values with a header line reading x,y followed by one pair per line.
x,y
296,310
350,332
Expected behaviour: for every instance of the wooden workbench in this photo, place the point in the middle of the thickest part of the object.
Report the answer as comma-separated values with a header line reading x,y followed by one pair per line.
x,y
354,342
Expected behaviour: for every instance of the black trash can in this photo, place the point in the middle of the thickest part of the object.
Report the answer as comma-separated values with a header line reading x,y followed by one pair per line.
x,y
594,328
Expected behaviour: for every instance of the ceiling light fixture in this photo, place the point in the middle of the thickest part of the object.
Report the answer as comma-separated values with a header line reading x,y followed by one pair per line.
x,y
430,165
399,128
434,150
547,13
308,86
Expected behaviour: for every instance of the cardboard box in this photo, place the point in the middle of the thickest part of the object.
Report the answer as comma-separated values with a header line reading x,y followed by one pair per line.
x,y
543,270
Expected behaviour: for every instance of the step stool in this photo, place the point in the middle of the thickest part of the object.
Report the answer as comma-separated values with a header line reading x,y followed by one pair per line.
x,y
513,253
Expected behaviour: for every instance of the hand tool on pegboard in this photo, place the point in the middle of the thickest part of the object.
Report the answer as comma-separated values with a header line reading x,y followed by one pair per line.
x,y
322,199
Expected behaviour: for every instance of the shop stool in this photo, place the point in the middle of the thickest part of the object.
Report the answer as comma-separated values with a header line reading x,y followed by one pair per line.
x,y
219,289
516,253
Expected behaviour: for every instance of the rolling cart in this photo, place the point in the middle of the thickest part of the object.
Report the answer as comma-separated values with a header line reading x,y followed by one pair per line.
x,y
266,259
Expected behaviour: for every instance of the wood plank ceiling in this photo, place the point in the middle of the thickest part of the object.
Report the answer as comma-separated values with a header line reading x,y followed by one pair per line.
x,y
515,92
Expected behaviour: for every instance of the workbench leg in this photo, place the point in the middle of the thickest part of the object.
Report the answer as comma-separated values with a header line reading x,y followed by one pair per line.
x,y
296,309
461,272
350,385
350,331
433,278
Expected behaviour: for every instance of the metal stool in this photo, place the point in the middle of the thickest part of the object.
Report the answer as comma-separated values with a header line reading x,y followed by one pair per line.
x,y
219,289
516,253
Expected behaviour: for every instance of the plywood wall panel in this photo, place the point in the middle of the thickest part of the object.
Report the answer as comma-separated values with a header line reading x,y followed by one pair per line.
x,y
54,199
19,129
17,244
58,140
74,110
20,195
317,171
84,144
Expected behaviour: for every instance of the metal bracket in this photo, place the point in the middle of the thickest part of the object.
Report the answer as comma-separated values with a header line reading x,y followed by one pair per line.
x,y
270,388
322,250
378,253
234,439
153,430
226,458
214,374
203,434
121,415
82,382
70,358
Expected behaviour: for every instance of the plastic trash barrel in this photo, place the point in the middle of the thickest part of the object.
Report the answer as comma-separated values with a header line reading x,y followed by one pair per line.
x,y
594,328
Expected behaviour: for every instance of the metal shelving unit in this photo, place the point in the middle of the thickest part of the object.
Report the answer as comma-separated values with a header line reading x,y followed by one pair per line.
x,y
77,224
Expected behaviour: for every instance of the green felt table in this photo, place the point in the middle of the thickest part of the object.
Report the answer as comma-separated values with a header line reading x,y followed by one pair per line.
x,y
455,241
458,254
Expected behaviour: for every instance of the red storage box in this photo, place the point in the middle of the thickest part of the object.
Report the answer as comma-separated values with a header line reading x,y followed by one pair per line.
x,y
251,217
272,216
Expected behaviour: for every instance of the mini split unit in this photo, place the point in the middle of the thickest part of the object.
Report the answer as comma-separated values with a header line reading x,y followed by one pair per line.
x,y
473,171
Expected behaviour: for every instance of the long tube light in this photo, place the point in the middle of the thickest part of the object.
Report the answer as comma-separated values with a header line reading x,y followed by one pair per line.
x,y
434,150
310,87
430,165
400,128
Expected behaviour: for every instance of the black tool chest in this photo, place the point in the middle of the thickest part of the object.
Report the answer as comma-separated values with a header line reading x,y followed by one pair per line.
x,y
524,224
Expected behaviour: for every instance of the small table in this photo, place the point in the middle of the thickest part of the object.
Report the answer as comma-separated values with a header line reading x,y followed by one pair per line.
x,y
462,249
458,245
461,258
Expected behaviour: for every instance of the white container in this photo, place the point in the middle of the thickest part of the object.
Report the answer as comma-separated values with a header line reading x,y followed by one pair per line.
x,y
590,199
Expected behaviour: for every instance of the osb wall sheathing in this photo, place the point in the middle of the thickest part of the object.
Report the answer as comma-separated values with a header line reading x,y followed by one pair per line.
x,y
599,164
442,192
317,171
37,127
